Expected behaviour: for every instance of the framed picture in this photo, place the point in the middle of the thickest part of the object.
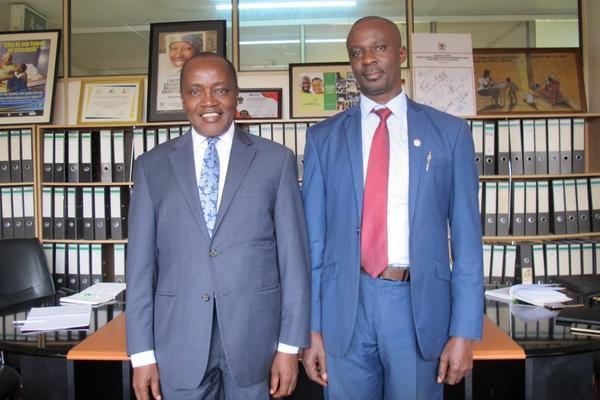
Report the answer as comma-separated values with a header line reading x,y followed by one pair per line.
x,y
259,104
528,81
321,89
171,45
27,76
110,101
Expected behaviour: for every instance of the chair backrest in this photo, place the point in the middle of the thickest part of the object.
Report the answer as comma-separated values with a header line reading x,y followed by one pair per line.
x,y
24,273
10,383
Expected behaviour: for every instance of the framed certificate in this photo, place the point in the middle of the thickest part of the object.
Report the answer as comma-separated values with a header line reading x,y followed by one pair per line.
x,y
110,101
259,104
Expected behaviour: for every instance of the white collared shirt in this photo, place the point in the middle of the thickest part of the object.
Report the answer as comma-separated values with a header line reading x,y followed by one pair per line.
x,y
223,146
397,208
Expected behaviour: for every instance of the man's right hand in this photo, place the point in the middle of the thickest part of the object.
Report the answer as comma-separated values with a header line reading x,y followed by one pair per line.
x,y
145,377
313,359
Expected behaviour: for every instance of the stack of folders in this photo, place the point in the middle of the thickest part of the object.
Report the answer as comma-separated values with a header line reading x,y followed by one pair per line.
x,y
537,295
529,146
77,266
17,212
16,151
96,295
529,208
507,264
47,319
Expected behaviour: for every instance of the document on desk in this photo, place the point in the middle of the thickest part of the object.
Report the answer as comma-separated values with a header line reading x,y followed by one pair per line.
x,y
95,295
47,319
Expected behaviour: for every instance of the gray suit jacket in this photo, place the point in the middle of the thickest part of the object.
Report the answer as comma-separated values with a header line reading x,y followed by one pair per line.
x,y
255,267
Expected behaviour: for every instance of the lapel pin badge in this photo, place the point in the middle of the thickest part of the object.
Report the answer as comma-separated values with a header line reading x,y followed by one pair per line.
x,y
417,143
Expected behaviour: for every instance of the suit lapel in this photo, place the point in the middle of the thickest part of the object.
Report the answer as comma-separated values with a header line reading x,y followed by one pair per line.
x,y
242,154
417,134
352,127
182,162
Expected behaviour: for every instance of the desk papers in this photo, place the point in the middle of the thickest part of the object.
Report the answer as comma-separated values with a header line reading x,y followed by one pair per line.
x,y
47,319
95,295
538,295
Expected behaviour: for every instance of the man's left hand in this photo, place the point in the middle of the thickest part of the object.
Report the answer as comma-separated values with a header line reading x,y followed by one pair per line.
x,y
284,374
456,360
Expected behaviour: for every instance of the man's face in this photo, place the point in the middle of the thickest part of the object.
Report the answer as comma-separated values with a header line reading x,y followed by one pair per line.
x,y
376,53
305,85
317,86
180,52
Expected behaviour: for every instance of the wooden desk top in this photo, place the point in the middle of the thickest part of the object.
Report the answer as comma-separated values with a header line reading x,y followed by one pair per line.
x,y
108,344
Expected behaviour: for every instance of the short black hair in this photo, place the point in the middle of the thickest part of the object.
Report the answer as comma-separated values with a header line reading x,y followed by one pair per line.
x,y
206,54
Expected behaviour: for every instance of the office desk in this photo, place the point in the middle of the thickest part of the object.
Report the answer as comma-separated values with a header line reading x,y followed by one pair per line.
x,y
41,359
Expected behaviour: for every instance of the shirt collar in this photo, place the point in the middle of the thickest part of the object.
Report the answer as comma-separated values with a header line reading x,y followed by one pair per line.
x,y
397,105
227,136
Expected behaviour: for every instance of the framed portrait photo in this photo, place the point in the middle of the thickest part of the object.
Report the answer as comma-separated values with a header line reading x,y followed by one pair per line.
x,y
528,81
171,45
319,90
110,101
259,104
27,76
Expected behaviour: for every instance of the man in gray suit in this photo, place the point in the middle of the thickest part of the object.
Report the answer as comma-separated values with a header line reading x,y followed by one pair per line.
x,y
217,266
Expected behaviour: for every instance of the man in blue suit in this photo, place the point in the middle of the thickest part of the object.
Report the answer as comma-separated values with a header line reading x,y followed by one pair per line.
x,y
384,185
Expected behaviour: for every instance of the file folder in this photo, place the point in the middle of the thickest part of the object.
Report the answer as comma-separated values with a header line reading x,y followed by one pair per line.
x,y
525,258
72,267
518,204
566,136
27,155
510,259
150,139
49,254
47,224
503,148
571,205
551,262
18,213
96,263
503,222
497,264
578,146
543,208
59,157
301,143
105,155
174,131
489,148
138,142
528,147
60,265
73,156
59,213
289,137
559,224
583,206
28,212
120,174
278,133
254,129
118,210
163,135
4,157
119,263
575,258
541,147
595,203
48,169
564,267
88,213
490,209
487,263
266,131
539,264
7,213
74,217
15,156
553,146
86,170
480,198
85,272
587,257
100,213
530,208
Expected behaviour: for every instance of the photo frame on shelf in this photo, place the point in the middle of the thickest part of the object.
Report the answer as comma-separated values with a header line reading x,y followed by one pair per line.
x,y
110,101
28,62
171,45
259,104
319,90
525,81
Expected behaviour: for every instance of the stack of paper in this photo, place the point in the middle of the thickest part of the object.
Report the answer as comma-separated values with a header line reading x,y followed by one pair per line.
x,y
539,295
95,295
45,319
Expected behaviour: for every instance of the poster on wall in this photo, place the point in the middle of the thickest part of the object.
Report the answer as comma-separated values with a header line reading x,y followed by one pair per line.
x,y
259,104
171,45
27,76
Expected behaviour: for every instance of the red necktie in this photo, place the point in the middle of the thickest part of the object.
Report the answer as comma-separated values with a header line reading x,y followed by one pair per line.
x,y
373,238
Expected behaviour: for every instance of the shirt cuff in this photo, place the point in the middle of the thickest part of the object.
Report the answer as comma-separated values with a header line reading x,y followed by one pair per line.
x,y
286,348
143,358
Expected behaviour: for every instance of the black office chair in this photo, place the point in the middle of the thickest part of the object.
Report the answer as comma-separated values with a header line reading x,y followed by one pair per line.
x,y
24,273
10,383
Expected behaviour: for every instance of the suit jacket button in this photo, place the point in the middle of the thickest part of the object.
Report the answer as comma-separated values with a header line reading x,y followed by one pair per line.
x,y
205,297
213,253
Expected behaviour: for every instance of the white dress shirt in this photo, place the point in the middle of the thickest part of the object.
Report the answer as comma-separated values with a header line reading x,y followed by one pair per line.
x,y
223,146
397,207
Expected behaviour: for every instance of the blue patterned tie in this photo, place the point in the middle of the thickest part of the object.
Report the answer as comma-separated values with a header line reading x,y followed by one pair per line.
x,y
208,187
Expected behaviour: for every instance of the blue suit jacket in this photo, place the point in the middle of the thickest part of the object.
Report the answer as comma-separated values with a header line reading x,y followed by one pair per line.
x,y
446,301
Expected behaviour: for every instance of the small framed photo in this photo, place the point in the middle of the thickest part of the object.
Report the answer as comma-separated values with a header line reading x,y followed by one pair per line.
x,y
521,81
171,45
259,104
28,63
319,90
110,101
